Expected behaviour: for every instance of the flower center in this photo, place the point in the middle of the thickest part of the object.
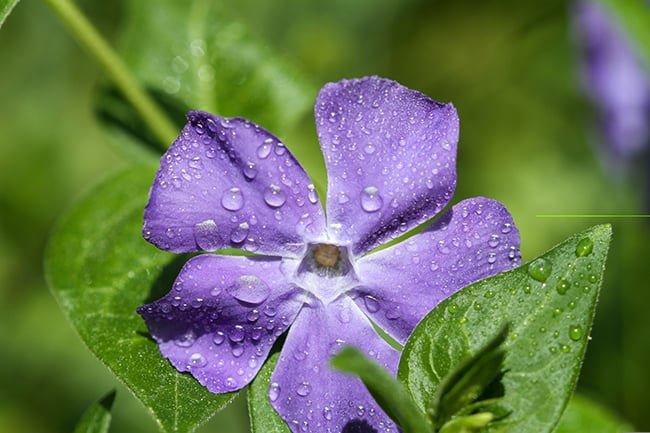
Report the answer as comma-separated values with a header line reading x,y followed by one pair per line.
x,y
326,272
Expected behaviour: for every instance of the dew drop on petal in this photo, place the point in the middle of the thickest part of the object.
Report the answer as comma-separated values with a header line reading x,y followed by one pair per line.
x,y
274,196
232,199
239,233
250,171
185,340
312,195
238,350
274,391
303,389
237,334
197,360
218,338
250,289
264,150
206,235
327,413
371,201
372,305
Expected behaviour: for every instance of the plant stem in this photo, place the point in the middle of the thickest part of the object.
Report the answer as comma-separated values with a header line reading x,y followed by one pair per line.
x,y
87,35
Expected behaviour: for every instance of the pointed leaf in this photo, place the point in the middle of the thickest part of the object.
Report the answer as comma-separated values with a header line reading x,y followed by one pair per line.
x,y
549,303
100,270
387,391
6,6
97,419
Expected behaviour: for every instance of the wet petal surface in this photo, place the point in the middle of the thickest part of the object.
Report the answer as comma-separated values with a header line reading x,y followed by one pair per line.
x,y
222,317
475,239
230,183
308,393
390,154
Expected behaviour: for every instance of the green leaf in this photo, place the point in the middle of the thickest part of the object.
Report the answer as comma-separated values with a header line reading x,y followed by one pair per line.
x,y
387,391
6,6
467,382
634,16
584,415
97,419
549,304
100,270
264,419
197,54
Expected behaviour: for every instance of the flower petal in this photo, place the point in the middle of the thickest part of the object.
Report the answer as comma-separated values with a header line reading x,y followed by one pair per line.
x,y
222,317
229,183
308,393
390,154
475,239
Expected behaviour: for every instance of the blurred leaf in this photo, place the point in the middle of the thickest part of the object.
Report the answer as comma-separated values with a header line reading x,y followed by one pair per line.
x,y
97,419
387,391
549,303
264,419
6,6
194,53
467,381
100,270
583,415
634,15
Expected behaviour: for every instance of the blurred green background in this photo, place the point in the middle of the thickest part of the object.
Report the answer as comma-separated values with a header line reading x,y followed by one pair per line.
x,y
526,139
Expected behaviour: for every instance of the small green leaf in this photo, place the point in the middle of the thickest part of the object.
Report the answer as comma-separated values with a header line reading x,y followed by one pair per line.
x,y
264,419
468,381
6,6
97,419
209,62
100,270
584,415
549,304
467,424
387,391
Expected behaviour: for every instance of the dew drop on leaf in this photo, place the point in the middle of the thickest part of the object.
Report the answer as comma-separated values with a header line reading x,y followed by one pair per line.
x,y
563,286
584,247
575,332
539,269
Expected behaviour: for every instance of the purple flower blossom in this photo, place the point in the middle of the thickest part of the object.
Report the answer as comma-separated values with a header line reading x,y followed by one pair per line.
x,y
615,79
390,154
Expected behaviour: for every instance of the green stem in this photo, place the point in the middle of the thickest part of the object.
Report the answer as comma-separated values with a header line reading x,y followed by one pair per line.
x,y
118,72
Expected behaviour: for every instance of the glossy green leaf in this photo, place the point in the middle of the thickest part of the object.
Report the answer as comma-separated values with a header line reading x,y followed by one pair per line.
x,y
387,391
6,6
584,415
549,304
97,419
194,52
264,419
100,270
460,389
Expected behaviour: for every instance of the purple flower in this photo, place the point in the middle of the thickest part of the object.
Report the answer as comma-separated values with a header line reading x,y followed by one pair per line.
x,y
615,79
390,154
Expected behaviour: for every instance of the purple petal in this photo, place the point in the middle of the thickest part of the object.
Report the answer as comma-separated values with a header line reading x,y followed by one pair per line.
x,y
473,240
308,393
222,317
229,183
615,78
390,154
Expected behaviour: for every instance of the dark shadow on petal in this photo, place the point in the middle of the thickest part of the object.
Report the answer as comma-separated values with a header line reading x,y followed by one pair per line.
x,y
442,220
166,277
358,426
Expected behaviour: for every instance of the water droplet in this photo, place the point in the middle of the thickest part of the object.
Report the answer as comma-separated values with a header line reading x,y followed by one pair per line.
x,y
238,350
507,228
584,247
303,389
239,233
372,305
369,148
539,269
452,308
274,196
236,334
494,241
361,410
490,294
218,338
393,313
230,383
563,286
593,278
250,289
327,413
198,360
575,332
250,171
565,348
274,391
253,315
270,311
232,199
312,195
185,340
264,150
371,201
206,235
